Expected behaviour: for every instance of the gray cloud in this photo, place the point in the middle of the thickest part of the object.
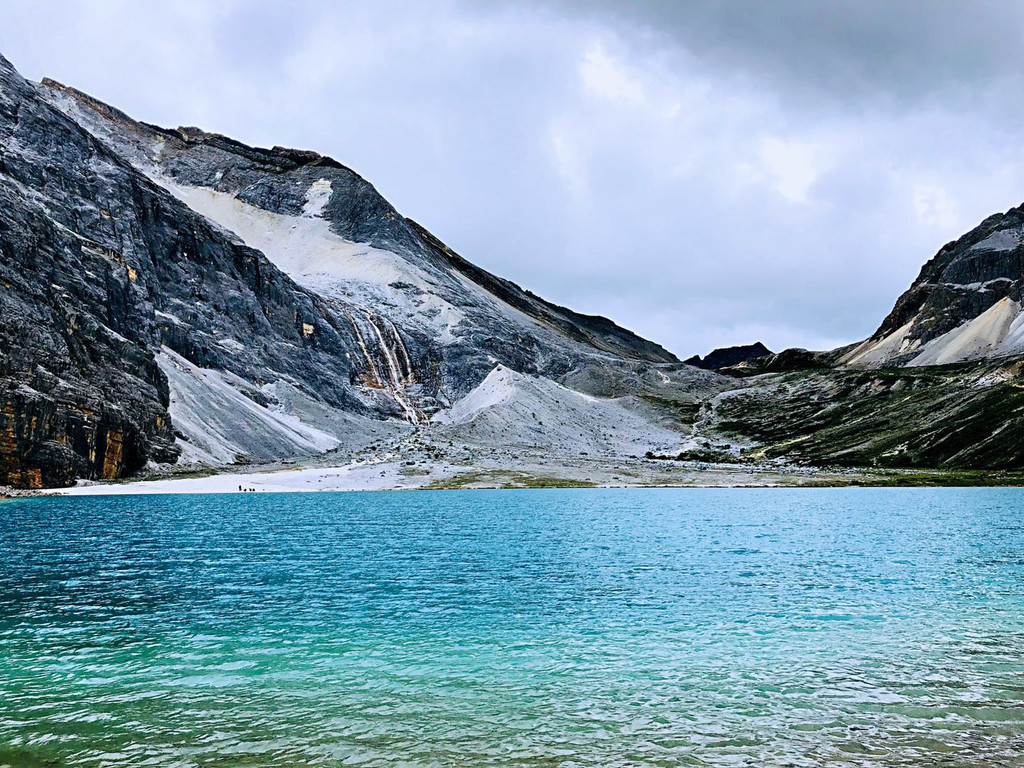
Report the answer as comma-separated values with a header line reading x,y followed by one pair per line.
x,y
843,51
705,173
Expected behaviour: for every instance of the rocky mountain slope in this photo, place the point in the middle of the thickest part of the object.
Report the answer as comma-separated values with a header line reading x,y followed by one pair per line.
x,y
967,416
939,385
965,305
175,296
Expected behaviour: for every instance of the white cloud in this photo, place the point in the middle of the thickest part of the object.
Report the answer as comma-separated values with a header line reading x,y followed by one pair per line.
x,y
934,206
792,164
570,165
604,77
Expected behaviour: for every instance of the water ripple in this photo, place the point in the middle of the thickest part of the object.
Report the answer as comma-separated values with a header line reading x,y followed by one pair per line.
x,y
574,628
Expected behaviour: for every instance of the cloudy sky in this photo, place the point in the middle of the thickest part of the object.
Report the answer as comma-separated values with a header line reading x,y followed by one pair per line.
x,y
705,173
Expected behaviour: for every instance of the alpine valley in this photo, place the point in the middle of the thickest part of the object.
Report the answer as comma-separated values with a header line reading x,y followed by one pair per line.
x,y
184,310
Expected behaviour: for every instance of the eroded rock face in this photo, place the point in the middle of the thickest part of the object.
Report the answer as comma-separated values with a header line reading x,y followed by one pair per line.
x,y
79,393
99,269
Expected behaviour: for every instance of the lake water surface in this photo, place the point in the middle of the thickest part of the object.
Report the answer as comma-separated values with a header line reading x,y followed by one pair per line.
x,y
576,627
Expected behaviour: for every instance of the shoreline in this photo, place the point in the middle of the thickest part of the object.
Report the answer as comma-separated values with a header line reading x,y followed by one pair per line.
x,y
533,472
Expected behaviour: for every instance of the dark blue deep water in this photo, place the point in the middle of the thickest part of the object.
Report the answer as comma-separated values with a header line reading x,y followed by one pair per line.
x,y
548,627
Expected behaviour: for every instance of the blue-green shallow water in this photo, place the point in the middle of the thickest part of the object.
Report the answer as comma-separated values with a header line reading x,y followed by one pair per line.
x,y
577,627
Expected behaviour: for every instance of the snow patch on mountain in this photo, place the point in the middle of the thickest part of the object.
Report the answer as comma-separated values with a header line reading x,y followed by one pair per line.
x,y
315,257
996,332
872,353
1001,240
977,286
317,197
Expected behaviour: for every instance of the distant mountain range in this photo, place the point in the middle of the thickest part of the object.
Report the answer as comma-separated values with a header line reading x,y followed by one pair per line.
x,y
174,298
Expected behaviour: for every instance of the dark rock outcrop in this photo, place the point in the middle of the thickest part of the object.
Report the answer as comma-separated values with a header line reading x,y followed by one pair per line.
x,y
80,393
724,357
793,359
965,278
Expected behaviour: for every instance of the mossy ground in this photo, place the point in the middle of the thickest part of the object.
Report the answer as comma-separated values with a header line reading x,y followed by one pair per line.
x,y
943,479
505,479
953,418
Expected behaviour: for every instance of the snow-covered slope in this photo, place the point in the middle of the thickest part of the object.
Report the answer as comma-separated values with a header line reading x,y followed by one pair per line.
x,y
872,352
219,423
305,248
375,285
223,419
996,333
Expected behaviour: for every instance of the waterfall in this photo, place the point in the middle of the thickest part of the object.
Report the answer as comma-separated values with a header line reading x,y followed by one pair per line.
x,y
387,363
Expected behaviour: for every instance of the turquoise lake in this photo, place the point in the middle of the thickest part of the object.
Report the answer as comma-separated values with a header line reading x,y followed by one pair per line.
x,y
537,627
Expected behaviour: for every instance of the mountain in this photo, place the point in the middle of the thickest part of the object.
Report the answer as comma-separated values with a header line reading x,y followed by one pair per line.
x,y
940,384
724,357
965,305
176,297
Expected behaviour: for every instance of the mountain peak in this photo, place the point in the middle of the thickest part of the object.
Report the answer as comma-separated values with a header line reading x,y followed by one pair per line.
x,y
723,357
956,288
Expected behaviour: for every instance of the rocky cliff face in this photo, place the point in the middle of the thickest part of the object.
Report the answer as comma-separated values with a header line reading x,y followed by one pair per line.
x,y
965,305
102,269
173,295
80,393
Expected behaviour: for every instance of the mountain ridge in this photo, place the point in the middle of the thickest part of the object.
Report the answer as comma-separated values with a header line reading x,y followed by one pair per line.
x,y
376,223
725,357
